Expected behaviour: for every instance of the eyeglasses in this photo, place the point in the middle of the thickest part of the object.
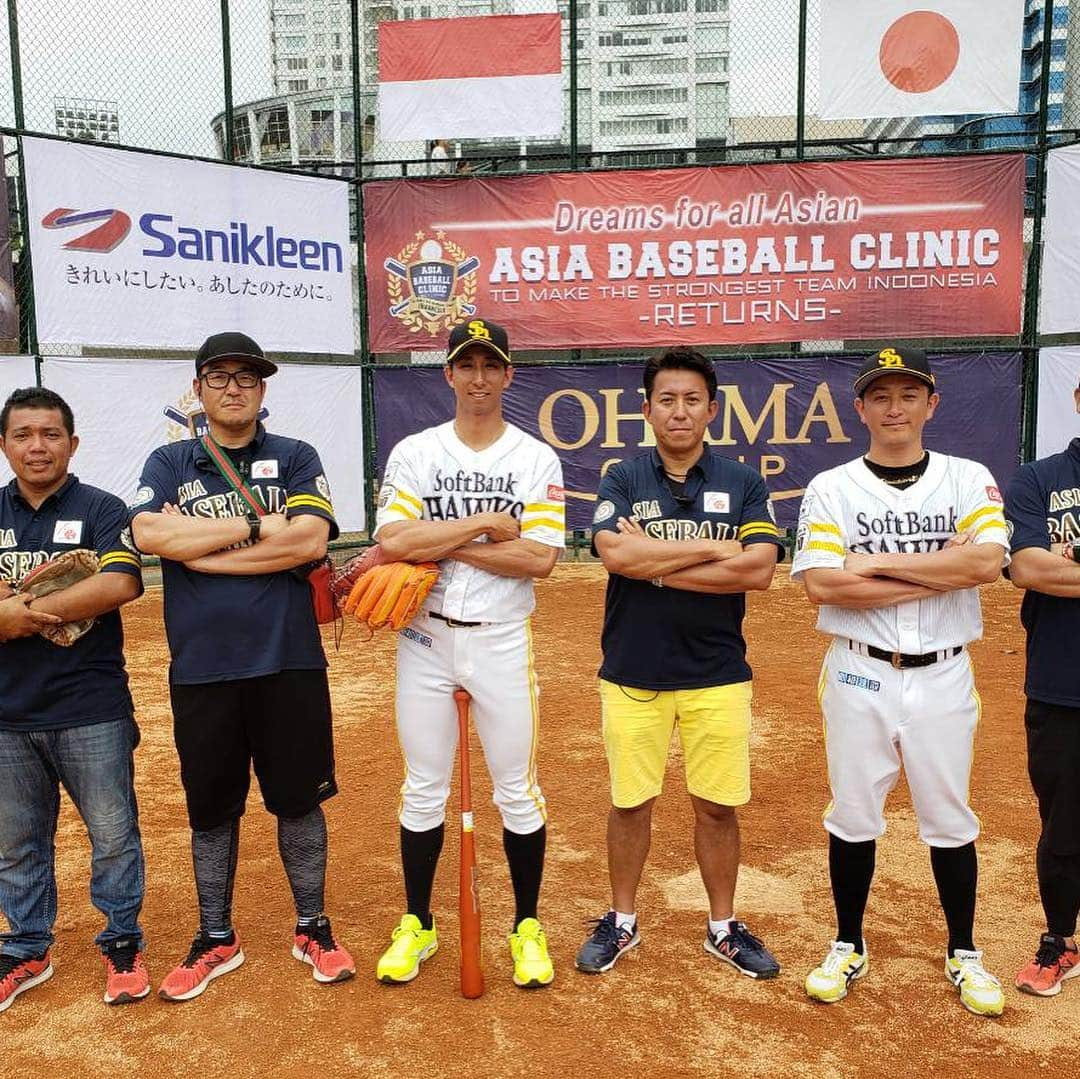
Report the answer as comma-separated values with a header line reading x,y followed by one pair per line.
x,y
218,380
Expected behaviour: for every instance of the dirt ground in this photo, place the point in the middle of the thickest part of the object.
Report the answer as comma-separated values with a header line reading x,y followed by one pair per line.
x,y
666,1009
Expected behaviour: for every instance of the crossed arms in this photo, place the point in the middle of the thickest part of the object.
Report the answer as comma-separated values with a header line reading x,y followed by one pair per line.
x,y
1045,571
22,616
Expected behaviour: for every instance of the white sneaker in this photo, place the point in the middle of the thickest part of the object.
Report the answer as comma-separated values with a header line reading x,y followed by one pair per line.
x,y
842,966
980,991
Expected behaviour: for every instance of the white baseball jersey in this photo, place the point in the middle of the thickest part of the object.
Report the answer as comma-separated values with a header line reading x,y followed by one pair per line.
x,y
434,476
850,509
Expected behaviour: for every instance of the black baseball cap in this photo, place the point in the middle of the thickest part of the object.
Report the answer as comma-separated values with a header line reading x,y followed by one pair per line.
x,y
233,346
894,360
478,331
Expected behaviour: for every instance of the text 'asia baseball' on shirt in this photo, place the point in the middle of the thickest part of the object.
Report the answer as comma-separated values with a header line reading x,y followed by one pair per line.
x,y
1042,505
44,686
434,476
670,638
848,508
220,627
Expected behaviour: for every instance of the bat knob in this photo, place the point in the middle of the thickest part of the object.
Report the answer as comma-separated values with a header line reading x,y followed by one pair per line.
x,y
462,696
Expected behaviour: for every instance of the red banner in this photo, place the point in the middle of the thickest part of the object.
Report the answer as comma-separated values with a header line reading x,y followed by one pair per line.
x,y
929,247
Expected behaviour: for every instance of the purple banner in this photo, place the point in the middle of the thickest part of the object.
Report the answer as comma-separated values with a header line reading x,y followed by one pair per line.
x,y
789,419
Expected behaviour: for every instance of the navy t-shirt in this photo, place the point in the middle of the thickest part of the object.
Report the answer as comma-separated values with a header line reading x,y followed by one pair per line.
x,y
221,627
1042,506
669,638
44,686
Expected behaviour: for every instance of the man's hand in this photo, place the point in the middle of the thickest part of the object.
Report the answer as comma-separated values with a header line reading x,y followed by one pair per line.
x,y
961,539
273,524
499,527
18,620
629,526
5,589
864,565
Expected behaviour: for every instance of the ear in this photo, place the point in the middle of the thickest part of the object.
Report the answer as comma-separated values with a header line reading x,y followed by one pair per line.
x,y
196,388
859,410
931,405
646,408
1076,398
448,373
714,408
508,376
74,444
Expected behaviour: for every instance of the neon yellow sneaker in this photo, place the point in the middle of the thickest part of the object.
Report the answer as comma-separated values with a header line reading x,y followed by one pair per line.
x,y
980,991
842,966
528,948
410,945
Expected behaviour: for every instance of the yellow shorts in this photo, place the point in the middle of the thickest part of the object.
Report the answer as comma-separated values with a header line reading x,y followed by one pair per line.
x,y
714,728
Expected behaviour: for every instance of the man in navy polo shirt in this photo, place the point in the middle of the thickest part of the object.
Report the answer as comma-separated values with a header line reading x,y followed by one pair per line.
x,y
66,715
1042,506
684,533
248,676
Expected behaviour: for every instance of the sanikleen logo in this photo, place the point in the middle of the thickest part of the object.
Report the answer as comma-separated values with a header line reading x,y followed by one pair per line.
x,y
114,227
239,243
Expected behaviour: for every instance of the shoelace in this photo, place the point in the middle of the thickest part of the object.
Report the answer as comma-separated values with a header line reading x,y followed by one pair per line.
x,y
835,960
319,932
605,931
747,939
977,974
1049,953
8,963
123,959
199,947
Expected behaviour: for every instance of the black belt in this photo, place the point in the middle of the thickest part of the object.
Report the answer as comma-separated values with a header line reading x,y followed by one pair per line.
x,y
904,660
453,623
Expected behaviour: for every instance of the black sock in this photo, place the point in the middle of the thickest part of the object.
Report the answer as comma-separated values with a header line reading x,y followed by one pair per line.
x,y
302,845
851,869
956,871
214,854
525,856
419,859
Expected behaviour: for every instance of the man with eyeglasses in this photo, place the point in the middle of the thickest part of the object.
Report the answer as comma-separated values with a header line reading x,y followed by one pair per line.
x,y
248,676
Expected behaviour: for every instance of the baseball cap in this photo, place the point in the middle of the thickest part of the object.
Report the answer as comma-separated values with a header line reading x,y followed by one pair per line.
x,y
478,331
233,346
894,361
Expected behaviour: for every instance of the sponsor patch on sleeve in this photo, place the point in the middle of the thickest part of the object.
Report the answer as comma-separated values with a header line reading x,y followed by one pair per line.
x,y
143,496
556,493
993,494
604,511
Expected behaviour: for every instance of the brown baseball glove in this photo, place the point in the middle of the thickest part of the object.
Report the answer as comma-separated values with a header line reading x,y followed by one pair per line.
x,y
348,573
61,572
391,593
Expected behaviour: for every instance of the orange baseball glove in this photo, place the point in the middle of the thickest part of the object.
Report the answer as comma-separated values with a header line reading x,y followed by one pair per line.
x,y
390,594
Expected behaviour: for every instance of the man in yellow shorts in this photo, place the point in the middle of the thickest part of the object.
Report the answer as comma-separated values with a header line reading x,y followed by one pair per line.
x,y
684,533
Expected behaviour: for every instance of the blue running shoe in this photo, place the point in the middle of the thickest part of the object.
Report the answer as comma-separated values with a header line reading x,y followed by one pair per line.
x,y
605,944
742,950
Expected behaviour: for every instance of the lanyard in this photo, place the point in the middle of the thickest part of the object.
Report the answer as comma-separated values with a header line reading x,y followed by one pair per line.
x,y
253,498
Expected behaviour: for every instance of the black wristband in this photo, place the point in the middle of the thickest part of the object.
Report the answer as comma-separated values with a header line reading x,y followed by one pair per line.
x,y
254,527
1074,550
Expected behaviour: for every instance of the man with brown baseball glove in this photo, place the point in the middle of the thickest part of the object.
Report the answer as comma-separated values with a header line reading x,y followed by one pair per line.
x,y
66,715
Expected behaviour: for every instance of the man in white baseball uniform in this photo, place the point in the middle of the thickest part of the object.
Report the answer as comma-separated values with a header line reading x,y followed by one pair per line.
x,y
486,501
893,546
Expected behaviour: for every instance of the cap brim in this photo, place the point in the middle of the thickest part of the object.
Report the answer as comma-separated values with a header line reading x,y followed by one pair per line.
x,y
867,377
489,345
260,363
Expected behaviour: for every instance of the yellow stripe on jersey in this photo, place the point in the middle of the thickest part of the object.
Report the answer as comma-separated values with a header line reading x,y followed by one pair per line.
x,y
411,500
406,511
824,526
310,501
971,518
823,545
124,557
544,507
754,528
999,525
543,522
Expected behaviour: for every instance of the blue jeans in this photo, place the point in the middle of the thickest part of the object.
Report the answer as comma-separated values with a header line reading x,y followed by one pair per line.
x,y
96,766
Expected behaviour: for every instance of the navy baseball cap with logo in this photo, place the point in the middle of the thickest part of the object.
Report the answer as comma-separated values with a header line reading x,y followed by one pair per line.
x,y
233,346
894,361
478,331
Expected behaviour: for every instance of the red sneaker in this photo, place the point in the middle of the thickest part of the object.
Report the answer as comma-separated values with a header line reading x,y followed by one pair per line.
x,y
126,977
1053,964
207,960
315,945
17,975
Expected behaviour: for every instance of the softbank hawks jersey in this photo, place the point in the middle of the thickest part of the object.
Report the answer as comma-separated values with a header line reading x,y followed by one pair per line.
x,y
434,476
849,509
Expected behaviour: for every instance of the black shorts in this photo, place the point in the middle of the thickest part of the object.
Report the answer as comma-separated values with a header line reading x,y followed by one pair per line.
x,y
280,722
1053,742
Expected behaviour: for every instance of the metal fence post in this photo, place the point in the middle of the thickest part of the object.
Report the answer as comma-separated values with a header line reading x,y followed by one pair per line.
x,y
573,85
226,59
800,97
1031,313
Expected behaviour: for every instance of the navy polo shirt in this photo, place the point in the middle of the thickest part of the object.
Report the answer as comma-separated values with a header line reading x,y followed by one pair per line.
x,y
44,686
669,638
1042,506
222,627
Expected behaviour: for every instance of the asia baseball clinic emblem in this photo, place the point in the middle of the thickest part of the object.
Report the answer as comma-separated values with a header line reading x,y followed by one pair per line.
x,y
431,284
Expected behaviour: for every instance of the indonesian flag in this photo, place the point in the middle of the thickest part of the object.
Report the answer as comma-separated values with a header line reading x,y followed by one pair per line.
x,y
906,58
488,77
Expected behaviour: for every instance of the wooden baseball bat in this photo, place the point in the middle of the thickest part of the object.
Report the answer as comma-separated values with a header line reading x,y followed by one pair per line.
x,y
472,974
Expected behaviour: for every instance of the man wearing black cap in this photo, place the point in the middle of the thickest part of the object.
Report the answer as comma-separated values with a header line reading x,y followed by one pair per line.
x,y
231,515
893,547
1042,505
484,500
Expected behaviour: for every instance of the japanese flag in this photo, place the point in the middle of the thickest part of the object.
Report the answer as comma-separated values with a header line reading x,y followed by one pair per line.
x,y
906,58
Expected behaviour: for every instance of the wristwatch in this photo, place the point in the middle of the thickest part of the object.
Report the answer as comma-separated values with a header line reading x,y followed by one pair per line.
x,y
254,527
1074,550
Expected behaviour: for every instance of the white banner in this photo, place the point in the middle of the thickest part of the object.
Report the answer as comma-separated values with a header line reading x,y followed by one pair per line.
x,y
145,251
126,408
1057,423
15,373
1059,311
